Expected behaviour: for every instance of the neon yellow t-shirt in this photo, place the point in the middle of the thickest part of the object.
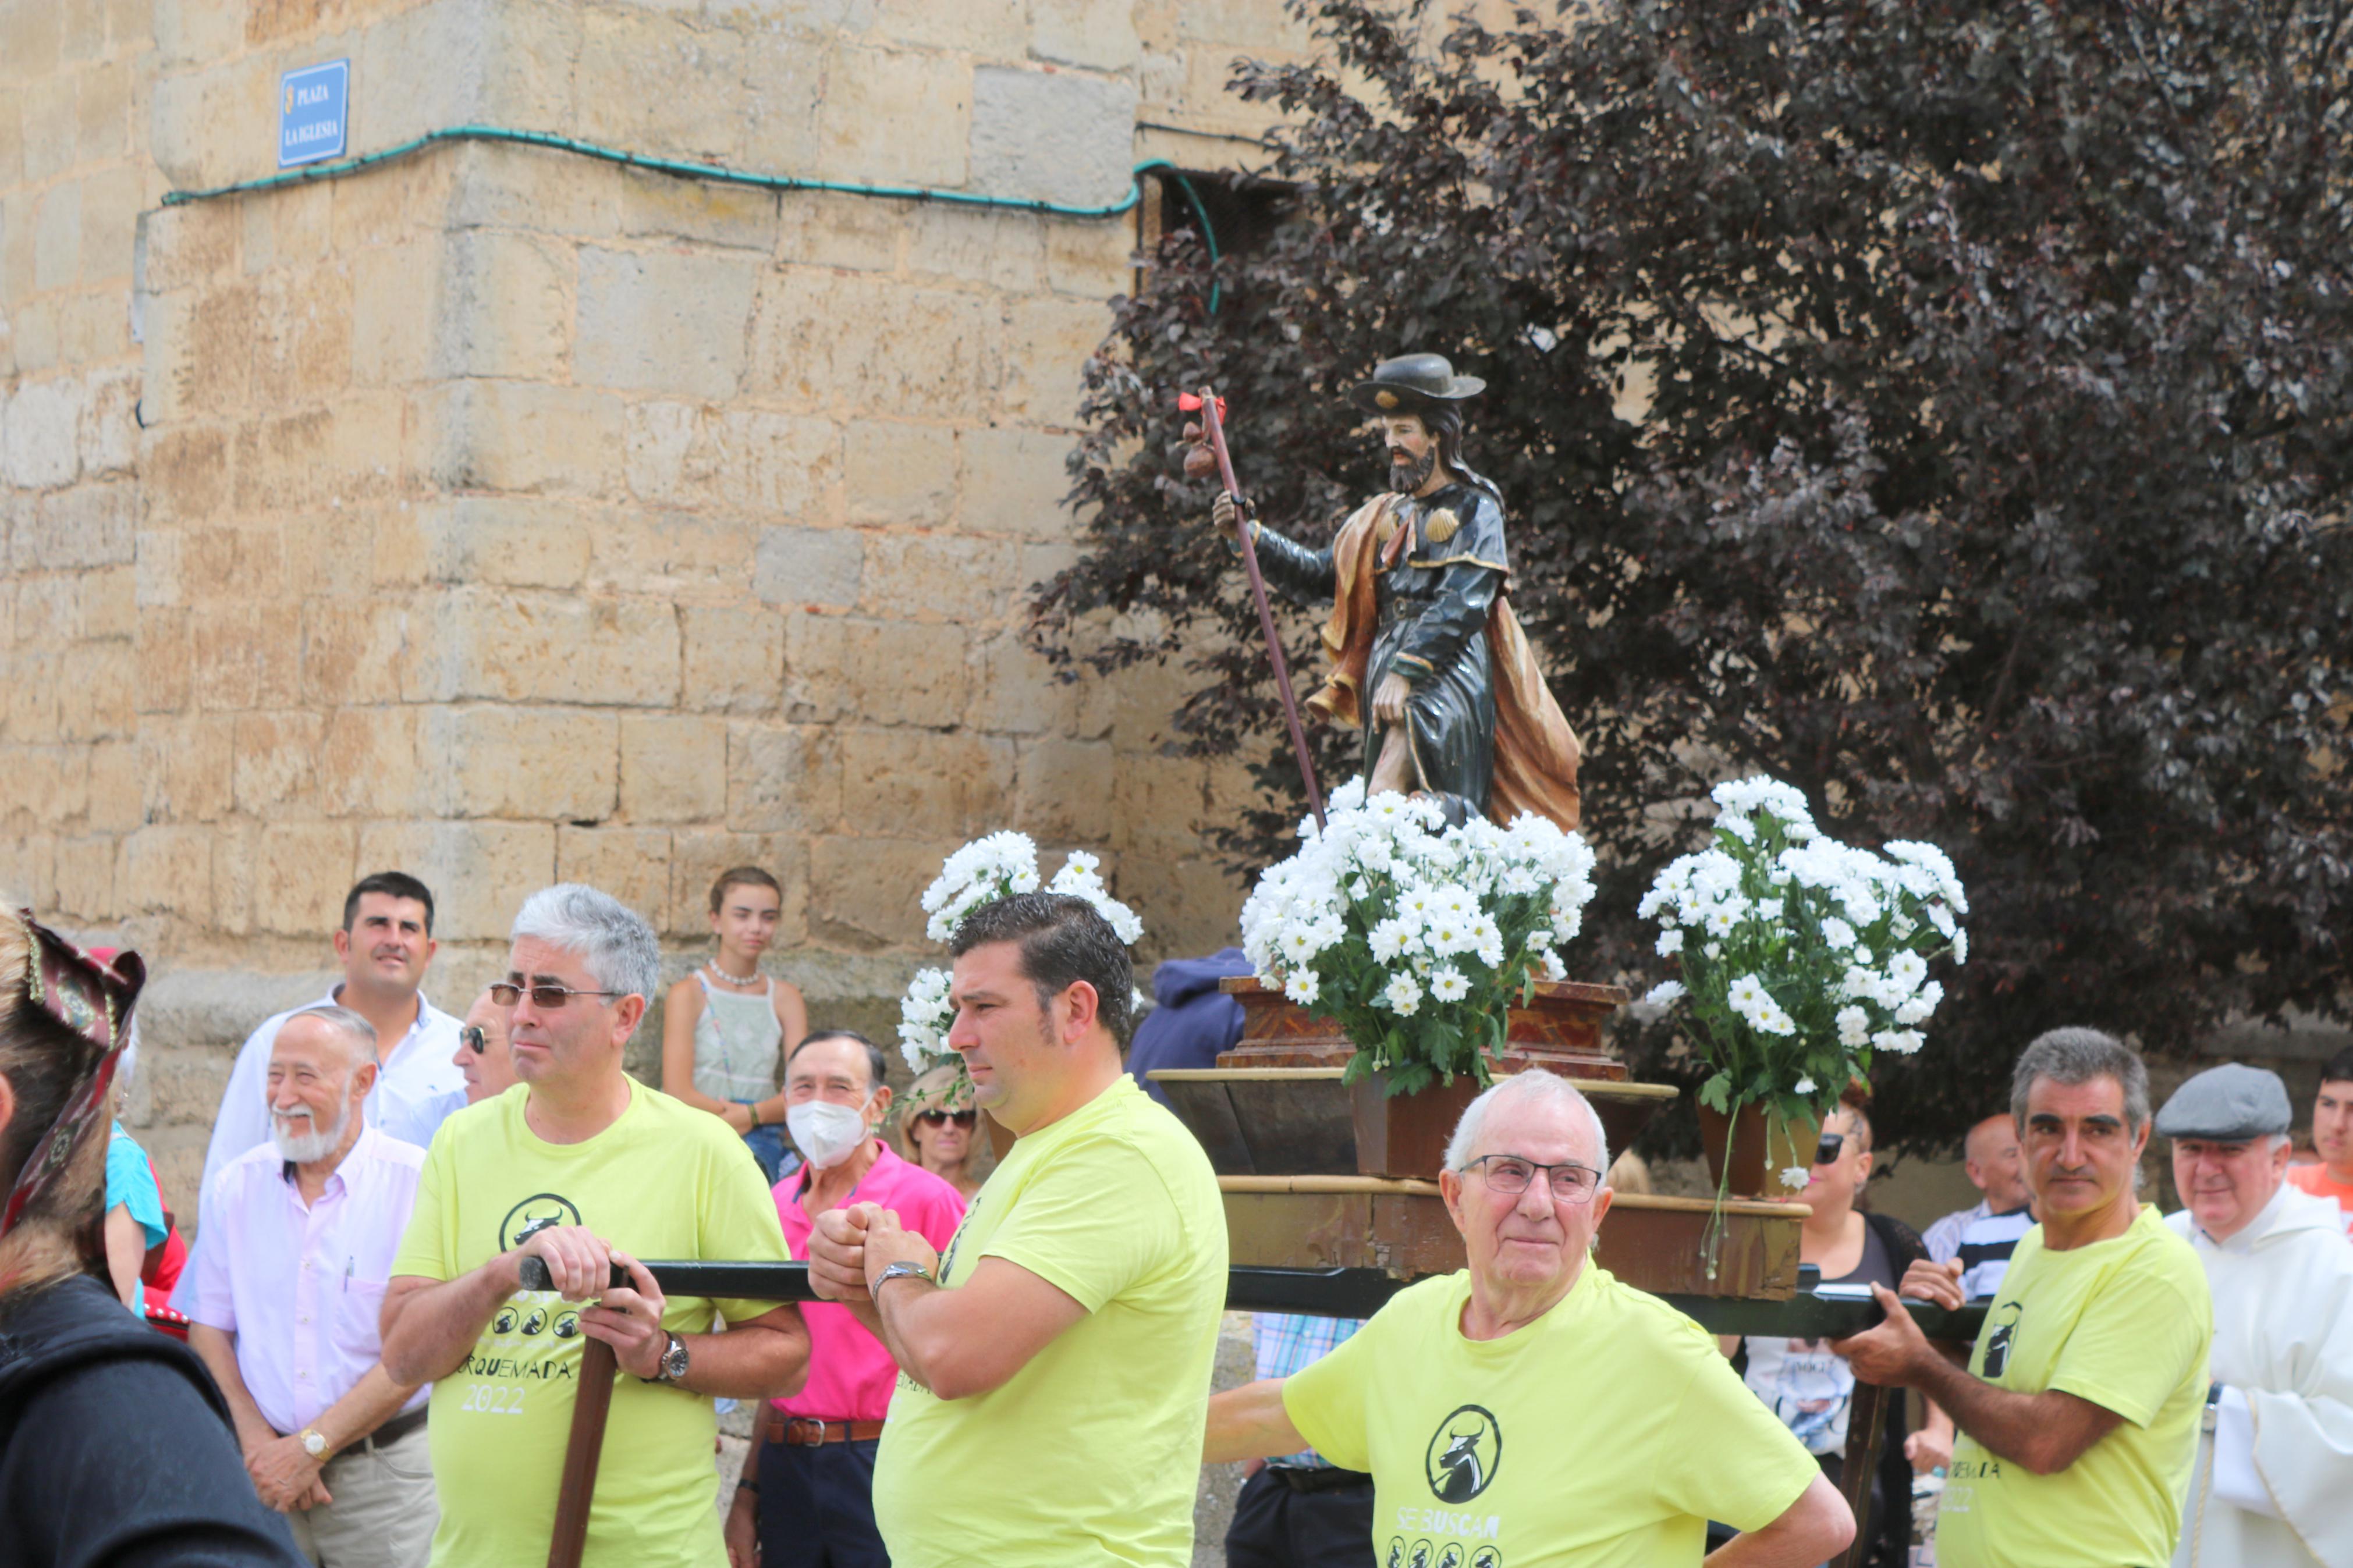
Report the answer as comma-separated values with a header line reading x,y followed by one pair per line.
x,y
664,1181
1090,1454
1604,1434
2124,1323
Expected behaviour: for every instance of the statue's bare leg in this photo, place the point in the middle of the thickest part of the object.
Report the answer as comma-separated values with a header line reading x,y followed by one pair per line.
x,y
1393,771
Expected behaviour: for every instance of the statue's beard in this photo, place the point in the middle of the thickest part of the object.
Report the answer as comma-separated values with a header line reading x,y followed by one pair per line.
x,y
1408,474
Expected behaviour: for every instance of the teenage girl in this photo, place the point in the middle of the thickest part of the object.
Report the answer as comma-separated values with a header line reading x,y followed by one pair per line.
x,y
727,1025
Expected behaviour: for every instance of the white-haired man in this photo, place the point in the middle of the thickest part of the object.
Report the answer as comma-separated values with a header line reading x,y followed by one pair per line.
x,y
587,1168
2268,1491
1455,1395
299,1240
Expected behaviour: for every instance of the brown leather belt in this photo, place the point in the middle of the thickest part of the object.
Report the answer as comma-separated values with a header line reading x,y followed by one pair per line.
x,y
806,1432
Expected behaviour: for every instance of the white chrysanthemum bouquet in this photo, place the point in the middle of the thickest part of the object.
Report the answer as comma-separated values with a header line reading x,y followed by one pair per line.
x,y
1801,957
1416,938
982,872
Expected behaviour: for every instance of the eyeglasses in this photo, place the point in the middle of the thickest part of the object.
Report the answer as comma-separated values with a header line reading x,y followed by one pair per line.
x,y
470,1036
941,1118
1511,1176
546,998
1827,1151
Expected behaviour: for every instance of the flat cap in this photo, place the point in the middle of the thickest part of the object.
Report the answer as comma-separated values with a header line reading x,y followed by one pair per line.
x,y
2228,1104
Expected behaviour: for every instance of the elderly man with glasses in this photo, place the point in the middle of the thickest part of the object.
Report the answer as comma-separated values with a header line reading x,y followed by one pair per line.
x,y
587,1168
1532,1411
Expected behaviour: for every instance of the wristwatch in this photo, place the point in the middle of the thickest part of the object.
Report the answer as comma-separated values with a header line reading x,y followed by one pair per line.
x,y
903,1270
673,1365
314,1443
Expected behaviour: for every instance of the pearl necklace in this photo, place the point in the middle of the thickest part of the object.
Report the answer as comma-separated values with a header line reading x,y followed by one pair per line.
x,y
750,979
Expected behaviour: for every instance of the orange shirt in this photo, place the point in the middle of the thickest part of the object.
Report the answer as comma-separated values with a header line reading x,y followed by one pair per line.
x,y
2315,1179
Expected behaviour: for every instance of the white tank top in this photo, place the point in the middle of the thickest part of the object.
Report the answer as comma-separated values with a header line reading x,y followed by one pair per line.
x,y
735,1043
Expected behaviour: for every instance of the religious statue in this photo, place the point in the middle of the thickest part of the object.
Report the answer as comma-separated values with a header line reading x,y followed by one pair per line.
x,y
1416,579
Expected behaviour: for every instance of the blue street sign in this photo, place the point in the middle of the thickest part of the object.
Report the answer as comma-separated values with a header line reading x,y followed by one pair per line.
x,y
314,119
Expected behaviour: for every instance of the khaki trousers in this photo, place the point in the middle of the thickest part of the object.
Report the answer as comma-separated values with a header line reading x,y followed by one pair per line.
x,y
384,1513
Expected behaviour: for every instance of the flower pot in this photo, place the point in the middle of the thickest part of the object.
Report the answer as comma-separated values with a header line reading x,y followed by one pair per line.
x,y
1559,1029
1756,1148
1405,1134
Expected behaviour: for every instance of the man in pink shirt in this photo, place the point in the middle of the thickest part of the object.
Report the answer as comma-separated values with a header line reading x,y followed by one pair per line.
x,y
807,1488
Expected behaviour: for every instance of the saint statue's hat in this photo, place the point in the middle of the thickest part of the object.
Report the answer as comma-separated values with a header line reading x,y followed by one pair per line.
x,y
2233,1103
1411,382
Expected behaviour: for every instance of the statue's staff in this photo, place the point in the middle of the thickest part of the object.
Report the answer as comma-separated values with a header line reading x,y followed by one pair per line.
x,y
1212,415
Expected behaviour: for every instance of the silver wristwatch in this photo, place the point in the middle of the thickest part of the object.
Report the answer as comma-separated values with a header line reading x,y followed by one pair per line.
x,y
673,1365
903,1269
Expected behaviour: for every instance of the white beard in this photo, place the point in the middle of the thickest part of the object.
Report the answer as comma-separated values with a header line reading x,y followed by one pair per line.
x,y
303,1148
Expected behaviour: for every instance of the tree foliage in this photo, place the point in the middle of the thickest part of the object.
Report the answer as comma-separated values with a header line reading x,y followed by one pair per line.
x,y
1940,406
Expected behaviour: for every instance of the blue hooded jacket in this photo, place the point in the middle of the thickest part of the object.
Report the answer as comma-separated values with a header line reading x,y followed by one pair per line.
x,y
1193,1021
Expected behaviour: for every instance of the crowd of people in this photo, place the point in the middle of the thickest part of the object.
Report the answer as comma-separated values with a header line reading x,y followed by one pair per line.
x,y
411,1223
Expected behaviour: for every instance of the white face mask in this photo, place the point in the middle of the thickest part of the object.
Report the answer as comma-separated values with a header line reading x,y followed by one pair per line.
x,y
824,1132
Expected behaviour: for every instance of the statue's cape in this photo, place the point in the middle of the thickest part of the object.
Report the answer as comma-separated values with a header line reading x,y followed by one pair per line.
x,y
1537,754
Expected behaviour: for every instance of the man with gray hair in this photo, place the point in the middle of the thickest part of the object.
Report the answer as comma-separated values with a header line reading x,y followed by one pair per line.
x,y
2268,1490
2078,1412
586,1169
299,1241
1452,1395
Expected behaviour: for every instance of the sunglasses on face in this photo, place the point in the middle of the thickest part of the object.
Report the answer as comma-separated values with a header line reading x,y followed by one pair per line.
x,y
941,1118
546,998
470,1036
1827,1151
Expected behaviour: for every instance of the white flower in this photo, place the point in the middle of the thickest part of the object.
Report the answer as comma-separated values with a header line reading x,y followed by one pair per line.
x,y
1724,917
1803,1085
1394,937
1900,926
1942,919
1401,995
1664,993
1303,987
1554,969
1837,932
1447,936
1907,969
1447,984
1863,956
1772,1020
1714,950
1900,1042
1749,996
1670,941
1853,1027
1795,1175
1960,949
1769,909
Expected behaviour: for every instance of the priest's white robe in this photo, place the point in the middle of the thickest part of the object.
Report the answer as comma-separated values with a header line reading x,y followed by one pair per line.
x,y
2274,1482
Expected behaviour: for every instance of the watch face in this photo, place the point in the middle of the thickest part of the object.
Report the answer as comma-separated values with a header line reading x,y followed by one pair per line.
x,y
674,1360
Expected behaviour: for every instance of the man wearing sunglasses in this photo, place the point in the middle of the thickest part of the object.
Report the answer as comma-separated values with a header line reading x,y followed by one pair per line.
x,y
1458,1394
585,1170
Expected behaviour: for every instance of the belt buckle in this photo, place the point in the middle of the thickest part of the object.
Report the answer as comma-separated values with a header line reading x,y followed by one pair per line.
x,y
818,1442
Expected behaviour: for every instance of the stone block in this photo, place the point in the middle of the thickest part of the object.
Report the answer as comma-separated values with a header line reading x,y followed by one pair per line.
x,y
334,553
165,659
393,290
106,603
896,117
109,224
783,779
1003,249
783,94
117,796
371,764
166,869
699,855
38,344
830,229
900,673
899,473
185,474
664,321
48,783
98,683
673,553
1066,791
673,769
89,328
102,113
523,647
191,32
923,576
503,186
866,894
199,351
977,27
49,125
12,137
85,877
233,564
773,465
523,437
203,127
40,445
397,202
29,870
107,434
1015,692
533,763
277,761
30,36
480,872
1048,340
30,702
1056,136
1097,35
875,346
89,525
506,307
16,255
45,609
294,228
669,206
354,650
952,782
190,760
810,566
514,542
302,341
1088,257
735,659
190,247
630,863
1013,481
647,81
301,873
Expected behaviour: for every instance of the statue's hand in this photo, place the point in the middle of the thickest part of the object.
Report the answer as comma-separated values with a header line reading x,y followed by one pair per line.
x,y
1388,700
1221,513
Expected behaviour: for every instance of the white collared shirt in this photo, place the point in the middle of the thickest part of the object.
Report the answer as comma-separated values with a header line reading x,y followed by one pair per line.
x,y
301,1286
412,1086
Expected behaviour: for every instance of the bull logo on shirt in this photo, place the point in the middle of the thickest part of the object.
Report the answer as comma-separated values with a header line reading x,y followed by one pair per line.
x,y
1453,1556
1463,1454
2000,1340
1396,1559
540,1211
1486,1557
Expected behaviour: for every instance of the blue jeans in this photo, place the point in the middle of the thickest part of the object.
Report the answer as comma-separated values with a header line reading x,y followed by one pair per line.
x,y
816,1507
768,1146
